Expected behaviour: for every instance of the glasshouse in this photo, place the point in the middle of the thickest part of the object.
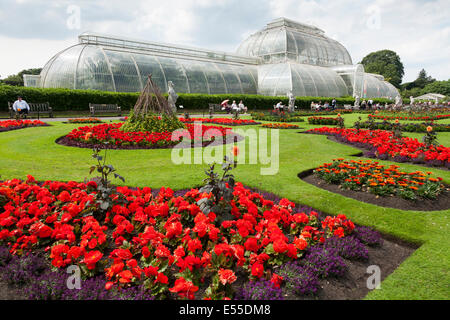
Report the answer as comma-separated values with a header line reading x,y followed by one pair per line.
x,y
285,55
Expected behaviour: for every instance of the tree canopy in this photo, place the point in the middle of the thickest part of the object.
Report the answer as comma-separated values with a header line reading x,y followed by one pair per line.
x,y
387,63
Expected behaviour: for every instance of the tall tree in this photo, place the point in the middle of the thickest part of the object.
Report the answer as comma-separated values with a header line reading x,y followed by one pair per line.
x,y
387,63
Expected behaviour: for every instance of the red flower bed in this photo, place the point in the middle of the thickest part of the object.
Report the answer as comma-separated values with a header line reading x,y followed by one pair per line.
x,y
429,118
223,121
111,133
386,145
163,242
7,125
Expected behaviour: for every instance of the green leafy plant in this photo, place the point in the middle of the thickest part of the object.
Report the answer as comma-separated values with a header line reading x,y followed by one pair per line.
x,y
152,123
430,137
221,188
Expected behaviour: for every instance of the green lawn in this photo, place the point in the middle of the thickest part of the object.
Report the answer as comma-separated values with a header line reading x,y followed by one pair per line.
x,y
424,275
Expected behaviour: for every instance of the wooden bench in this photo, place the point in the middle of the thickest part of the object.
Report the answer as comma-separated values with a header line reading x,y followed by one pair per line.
x,y
214,107
35,108
109,108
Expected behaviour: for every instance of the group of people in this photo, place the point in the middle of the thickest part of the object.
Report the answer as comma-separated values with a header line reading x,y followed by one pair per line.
x,y
325,106
241,108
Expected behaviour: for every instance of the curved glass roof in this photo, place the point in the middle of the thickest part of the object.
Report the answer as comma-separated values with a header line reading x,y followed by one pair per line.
x,y
97,67
303,80
285,40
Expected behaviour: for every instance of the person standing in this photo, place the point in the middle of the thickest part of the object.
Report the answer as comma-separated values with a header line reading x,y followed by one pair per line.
x,y
333,104
234,106
21,106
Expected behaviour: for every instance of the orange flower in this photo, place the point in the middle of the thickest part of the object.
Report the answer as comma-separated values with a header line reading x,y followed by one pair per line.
x,y
429,128
88,136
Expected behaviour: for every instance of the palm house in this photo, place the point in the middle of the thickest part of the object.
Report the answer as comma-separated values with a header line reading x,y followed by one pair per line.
x,y
285,55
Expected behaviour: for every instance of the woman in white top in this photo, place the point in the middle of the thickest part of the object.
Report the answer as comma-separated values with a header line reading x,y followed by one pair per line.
x,y
234,106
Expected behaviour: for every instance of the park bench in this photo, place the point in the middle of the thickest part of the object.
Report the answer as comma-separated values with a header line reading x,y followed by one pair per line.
x,y
214,107
35,108
109,108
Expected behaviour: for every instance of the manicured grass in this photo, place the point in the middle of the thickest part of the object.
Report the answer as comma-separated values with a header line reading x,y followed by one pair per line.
x,y
425,275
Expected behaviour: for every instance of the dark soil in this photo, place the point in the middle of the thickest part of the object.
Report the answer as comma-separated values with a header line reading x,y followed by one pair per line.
x,y
66,141
441,203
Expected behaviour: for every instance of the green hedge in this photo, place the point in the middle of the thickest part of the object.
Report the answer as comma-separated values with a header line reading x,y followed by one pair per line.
x,y
78,100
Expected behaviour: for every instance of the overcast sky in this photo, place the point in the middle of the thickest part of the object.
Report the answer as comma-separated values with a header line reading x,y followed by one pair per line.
x,y
32,31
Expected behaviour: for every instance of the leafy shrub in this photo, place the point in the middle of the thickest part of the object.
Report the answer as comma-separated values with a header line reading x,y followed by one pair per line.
x,y
259,290
151,123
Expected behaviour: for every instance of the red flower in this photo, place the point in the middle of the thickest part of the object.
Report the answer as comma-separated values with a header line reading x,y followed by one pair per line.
x,y
91,258
280,246
300,243
109,285
276,280
194,245
339,232
257,270
125,276
251,244
64,196
185,289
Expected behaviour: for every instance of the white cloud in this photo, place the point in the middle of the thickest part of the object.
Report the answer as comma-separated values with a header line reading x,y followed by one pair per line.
x,y
19,54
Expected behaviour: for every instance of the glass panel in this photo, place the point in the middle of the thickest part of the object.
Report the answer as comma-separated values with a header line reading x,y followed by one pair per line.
x,y
124,71
307,80
195,75
298,88
61,72
216,82
149,65
175,73
247,80
232,81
